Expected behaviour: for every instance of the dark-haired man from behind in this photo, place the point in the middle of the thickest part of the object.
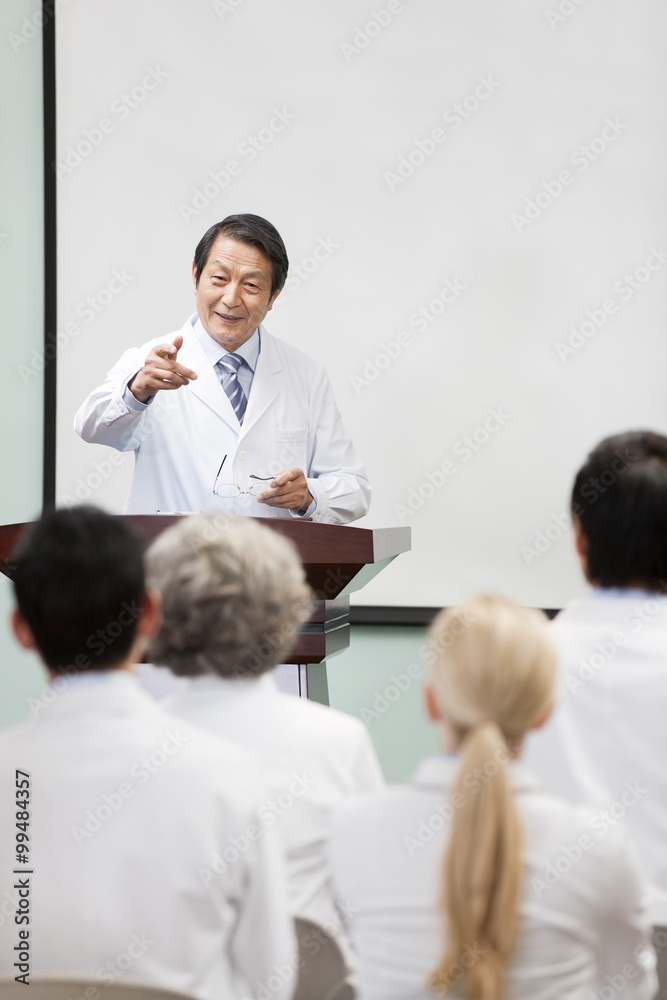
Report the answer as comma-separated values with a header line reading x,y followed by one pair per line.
x,y
606,742
121,806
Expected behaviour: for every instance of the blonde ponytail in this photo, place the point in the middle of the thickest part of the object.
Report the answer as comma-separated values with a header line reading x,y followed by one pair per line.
x,y
492,675
482,870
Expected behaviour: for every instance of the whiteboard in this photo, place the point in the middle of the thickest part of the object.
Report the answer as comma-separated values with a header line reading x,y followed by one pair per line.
x,y
473,201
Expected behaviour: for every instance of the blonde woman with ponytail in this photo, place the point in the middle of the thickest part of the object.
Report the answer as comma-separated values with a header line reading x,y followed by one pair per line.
x,y
471,881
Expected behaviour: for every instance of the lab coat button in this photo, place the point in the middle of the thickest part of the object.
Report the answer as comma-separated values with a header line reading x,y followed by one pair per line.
x,y
243,455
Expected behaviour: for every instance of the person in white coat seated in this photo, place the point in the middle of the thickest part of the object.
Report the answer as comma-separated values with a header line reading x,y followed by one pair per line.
x,y
471,880
234,595
119,820
222,414
606,742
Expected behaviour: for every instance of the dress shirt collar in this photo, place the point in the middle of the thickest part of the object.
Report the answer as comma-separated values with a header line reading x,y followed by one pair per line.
x,y
210,685
624,594
109,678
101,691
214,352
603,603
440,772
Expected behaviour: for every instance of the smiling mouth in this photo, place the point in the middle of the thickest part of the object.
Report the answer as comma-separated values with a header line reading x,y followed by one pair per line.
x,y
228,319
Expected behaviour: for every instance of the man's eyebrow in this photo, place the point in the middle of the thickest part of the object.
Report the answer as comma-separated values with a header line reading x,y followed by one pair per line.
x,y
225,267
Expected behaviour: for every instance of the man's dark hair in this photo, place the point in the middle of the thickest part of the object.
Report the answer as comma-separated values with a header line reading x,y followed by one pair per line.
x,y
254,231
79,583
620,498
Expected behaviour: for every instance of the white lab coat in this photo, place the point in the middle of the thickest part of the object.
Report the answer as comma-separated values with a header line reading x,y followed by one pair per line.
x,y
144,866
582,930
606,741
181,437
316,758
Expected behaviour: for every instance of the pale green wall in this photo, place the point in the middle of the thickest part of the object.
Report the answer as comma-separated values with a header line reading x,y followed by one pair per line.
x,y
379,679
21,313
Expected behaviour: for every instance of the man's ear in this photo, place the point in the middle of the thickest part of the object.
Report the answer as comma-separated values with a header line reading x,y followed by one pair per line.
x,y
580,544
545,718
273,299
194,276
432,710
21,630
150,616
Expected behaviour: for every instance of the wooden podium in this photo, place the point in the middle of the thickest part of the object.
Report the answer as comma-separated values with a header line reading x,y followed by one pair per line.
x,y
338,559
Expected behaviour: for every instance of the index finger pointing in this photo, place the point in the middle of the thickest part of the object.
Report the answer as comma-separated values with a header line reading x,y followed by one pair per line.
x,y
167,352
185,372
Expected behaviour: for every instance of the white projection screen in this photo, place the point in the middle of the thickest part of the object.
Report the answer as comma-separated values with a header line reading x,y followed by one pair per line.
x,y
473,199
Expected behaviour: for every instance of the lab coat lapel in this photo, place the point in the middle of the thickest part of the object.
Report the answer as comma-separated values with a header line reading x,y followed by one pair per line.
x,y
265,384
207,386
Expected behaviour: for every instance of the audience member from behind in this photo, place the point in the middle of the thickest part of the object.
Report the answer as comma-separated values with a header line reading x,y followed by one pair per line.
x,y
127,805
607,740
471,878
234,597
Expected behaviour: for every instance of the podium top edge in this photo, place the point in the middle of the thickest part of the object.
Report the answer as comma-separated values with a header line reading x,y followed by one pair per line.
x,y
317,540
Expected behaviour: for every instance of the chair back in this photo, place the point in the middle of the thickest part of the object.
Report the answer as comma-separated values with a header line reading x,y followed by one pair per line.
x,y
323,974
84,989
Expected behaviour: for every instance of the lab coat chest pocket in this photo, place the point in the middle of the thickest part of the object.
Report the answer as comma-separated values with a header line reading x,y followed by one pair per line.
x,y
290,448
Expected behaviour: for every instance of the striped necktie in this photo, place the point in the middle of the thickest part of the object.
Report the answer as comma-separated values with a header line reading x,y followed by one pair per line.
x,y
229,368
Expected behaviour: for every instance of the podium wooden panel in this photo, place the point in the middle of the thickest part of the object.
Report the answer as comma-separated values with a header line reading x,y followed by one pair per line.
x,y
338,559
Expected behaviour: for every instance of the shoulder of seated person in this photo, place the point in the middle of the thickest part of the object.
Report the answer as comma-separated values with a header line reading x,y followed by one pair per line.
x,y
325,716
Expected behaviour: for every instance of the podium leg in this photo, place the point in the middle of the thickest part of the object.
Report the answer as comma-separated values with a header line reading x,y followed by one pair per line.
x,y
317,685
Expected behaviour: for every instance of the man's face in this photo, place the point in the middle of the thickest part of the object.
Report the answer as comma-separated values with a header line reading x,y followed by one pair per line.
x,y
234,292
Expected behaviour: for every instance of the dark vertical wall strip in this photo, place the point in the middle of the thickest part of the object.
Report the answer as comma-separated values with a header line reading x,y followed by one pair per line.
x,y
50,296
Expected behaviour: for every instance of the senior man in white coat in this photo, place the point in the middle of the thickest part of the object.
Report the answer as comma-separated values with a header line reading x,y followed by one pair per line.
x,y
225,415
